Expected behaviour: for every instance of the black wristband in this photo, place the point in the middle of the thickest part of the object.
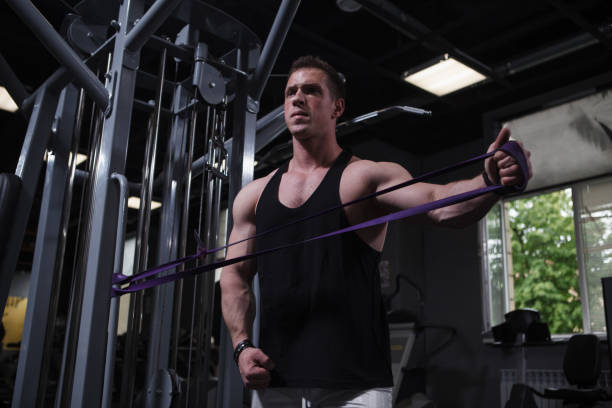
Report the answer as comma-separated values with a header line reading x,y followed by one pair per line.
x,y
244,344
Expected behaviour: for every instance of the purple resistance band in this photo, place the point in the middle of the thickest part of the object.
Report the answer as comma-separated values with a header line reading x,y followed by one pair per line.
x,y
512,148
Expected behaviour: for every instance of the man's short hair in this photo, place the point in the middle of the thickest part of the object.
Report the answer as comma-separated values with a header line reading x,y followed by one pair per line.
x,y
335,80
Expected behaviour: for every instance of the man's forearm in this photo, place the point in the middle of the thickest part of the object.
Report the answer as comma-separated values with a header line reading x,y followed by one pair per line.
x,y
467,212
237,305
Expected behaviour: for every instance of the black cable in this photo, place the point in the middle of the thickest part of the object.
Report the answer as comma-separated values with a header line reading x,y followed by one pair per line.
x,y
410,282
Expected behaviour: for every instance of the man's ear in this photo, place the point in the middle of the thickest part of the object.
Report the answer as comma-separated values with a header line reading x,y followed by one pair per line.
x,y
338,108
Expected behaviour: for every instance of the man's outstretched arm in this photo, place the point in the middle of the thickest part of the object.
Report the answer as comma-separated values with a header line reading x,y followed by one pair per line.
x,y
499,168
237,301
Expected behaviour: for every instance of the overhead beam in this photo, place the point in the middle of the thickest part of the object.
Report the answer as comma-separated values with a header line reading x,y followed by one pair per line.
x,y
56,45
581,22
272,47
62,77
149,23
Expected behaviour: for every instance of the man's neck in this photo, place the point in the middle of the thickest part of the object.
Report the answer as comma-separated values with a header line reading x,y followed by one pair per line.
x,y
312,153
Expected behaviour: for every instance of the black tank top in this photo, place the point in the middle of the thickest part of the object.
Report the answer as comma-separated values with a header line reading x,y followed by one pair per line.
x,y
323,321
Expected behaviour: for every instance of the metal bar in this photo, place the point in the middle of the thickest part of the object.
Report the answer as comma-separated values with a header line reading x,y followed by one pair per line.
x,y
107,393
69,189
67,137
217,155
12,83
56,45
270,127
200,162
171,216
30,380
351,125
230,389
272,47
582,269
60,78
101,222
205,289
154,363
211,117
181,52
76,296
79,264
28,169
149,23
151,82
164,312
547,54
142,241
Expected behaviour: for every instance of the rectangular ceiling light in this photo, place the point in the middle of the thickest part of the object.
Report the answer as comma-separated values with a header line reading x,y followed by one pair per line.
x,y
134,202
444,76
6,102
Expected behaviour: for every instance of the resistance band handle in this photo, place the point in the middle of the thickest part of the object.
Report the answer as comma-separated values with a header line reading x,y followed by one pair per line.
x,y
515,150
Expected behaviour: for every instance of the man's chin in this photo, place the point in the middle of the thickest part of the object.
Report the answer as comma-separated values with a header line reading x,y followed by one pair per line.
x,y
298,131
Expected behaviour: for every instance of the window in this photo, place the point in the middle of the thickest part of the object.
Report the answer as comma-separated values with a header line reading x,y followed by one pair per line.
x,y
549,251
549,248
594,220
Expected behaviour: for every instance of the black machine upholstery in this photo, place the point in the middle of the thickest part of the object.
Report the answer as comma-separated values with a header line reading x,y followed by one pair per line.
x,y
582,367
582,364
10,187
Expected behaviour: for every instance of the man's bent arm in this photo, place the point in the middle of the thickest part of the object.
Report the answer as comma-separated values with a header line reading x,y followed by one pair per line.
x,y
237,302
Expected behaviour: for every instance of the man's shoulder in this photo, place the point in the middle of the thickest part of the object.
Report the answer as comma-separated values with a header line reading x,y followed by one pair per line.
x,y
260,183
366,176
249,194
369,169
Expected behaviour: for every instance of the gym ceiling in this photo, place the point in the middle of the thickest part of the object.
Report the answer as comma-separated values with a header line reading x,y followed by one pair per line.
x,y
524,47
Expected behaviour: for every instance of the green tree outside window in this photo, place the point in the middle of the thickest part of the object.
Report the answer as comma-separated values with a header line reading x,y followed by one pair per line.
x,y
544,263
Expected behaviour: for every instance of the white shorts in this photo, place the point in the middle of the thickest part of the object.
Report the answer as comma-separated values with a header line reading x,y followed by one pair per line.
x,y
321,398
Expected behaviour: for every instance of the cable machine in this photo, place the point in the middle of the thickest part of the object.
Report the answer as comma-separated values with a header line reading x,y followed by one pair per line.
x,y
170,89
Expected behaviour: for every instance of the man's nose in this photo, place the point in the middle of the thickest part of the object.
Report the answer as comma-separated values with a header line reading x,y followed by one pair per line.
x,y
298,98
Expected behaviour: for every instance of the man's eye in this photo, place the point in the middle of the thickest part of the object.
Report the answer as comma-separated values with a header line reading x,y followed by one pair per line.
x,y
312,90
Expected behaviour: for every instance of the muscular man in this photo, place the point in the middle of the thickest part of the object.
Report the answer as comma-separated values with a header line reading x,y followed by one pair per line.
x,y
324,336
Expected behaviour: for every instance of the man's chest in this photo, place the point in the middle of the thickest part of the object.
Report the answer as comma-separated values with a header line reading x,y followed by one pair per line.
x,y
295,189
298,187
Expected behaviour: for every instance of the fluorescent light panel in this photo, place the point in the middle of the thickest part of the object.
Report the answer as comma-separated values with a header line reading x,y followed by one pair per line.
x,y
444,77
134,202
6,102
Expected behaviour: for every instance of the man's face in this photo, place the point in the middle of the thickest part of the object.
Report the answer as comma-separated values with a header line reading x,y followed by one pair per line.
x,y
310,108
